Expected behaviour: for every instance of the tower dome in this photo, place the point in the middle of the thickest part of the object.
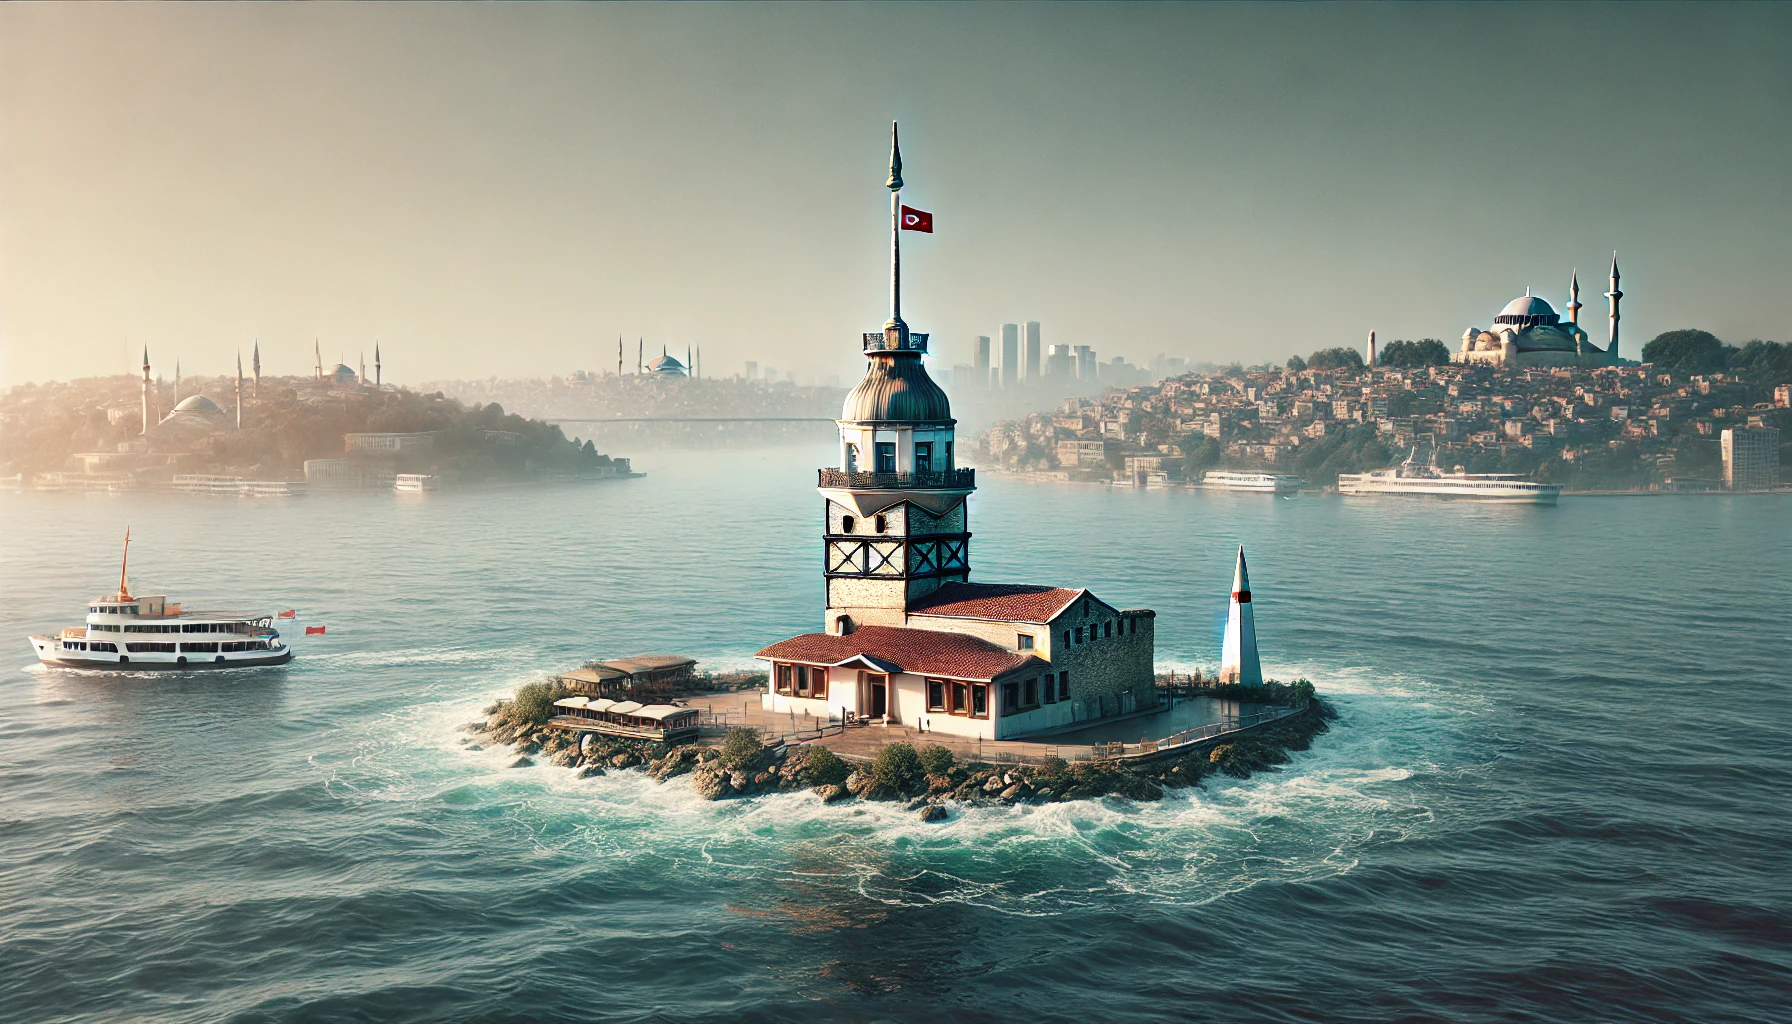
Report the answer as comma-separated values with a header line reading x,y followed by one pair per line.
x,y
896,389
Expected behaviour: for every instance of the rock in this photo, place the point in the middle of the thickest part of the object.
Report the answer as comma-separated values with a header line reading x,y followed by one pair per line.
x,y
762,778
710,782
933,812
940,784
1007,779
475,746
528,747
623,760
709,754
830,794
1011,793
993,785
591,771
522,762
916,804
739,781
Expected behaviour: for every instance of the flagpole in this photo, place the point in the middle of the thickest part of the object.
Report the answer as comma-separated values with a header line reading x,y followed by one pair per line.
x,y
894,184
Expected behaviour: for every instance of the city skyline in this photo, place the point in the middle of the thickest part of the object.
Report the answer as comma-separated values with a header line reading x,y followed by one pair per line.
x,y
498,194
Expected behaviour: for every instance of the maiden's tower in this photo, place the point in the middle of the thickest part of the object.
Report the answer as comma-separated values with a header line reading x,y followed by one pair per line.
x,y
907,637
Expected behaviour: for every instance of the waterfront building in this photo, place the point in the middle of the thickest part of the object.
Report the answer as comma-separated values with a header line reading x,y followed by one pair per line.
x,y
1529,333
1010,355
907,637
1751,458
1030,345
1238,652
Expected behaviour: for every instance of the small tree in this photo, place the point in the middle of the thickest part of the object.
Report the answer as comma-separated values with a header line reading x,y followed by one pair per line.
x,y
1296,364
534,703
898,767
936,760
823,767
740,746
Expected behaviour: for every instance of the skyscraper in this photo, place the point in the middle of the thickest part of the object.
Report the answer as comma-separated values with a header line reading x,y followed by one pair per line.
x,y
980,364
1751,458
1010,355
1030,340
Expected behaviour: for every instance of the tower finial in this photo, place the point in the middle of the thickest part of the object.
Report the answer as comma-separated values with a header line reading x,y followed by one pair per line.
x,y
1611,348
1574,296
1238,652
895,181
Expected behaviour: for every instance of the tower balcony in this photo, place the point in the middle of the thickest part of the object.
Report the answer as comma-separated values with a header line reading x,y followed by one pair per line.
x,y
895,339
943,480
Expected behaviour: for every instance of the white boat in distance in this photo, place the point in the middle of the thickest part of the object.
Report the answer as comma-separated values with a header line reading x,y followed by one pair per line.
x,y
1426,480
1268,483
146,632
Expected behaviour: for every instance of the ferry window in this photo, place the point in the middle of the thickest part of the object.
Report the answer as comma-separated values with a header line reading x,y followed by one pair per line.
x,y
1063,686
846,524
924,457
886,456
1030,692
980,701
961,699
1025,642
882,524
1010,698
936,695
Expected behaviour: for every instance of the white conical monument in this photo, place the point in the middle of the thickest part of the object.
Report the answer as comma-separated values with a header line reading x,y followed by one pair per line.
x,y
1238,655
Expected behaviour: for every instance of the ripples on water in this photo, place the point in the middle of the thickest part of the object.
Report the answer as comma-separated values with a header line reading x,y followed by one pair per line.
x,y
1557,790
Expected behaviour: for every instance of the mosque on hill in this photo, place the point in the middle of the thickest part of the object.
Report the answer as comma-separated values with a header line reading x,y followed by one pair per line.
x,y
1530,333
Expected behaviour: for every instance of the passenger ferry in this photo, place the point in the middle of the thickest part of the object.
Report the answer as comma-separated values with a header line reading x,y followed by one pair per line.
x,y
1427,480
1269,483
147,632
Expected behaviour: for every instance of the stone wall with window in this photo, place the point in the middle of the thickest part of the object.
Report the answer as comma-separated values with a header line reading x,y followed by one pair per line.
x,y
1110,658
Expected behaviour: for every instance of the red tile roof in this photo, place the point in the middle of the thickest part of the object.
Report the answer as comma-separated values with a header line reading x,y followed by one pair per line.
x,y
1003,602
925,652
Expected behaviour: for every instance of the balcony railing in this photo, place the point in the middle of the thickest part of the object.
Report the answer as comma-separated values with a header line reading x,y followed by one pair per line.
x,y
949,479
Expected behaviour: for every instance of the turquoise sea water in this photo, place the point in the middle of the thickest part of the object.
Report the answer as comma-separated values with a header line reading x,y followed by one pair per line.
x,y
1558,789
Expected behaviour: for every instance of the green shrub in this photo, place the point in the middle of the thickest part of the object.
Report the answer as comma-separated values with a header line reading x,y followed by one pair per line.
x,y
534,703
936,760
740,746
898,767
823,767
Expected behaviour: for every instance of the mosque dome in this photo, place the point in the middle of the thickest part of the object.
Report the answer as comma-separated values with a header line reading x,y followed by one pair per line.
x,y
896,389
199,403
666,366
1528,305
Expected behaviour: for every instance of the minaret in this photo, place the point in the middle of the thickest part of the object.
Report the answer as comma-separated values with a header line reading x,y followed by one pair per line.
x,y
1371,350
363,377
239,389
319,350
640,349
619,355
177,382
1611,349
256,364
376,367
146,391
1573,306
895,511
1238,655
690,365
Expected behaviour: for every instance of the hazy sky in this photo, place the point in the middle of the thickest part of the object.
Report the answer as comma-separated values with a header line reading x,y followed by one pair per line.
x,y
487,189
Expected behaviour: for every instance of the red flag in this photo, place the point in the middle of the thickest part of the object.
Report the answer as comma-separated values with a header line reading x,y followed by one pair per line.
x,y
314,631
916,220
290,613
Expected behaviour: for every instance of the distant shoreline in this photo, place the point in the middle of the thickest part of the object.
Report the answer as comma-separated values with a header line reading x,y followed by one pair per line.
x,y
1057,477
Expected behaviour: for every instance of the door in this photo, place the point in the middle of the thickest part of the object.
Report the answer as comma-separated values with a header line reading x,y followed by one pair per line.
x,y
880,696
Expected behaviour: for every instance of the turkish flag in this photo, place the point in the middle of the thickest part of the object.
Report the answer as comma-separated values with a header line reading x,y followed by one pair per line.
x,y
290,613
916,220
314,631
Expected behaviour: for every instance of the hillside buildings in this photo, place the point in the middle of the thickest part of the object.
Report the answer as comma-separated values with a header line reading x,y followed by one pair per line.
x,y
907,636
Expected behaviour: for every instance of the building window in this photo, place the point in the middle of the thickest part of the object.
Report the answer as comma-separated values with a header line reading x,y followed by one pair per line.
x,y
1050,691
852,457
1067,638
961,699
784,679
1107,630
936,695
886,456
882,524
1024,642
947,466
924,457
1010,698
1030,693
1079,634
980,701
802,680
846,523
1063,686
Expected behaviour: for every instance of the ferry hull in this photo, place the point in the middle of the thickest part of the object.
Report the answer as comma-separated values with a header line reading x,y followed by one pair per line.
x,y
51,655
1532,498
